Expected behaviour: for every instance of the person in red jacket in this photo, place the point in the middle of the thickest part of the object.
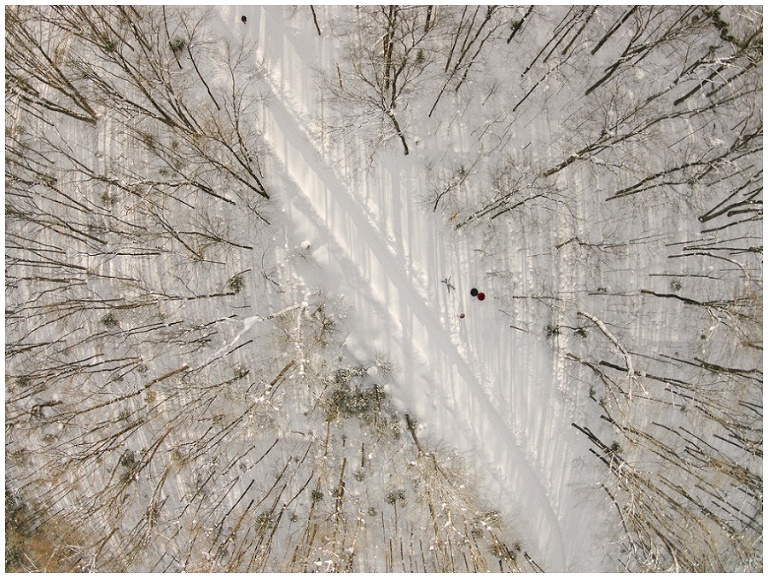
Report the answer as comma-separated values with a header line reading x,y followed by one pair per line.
x,y
479,294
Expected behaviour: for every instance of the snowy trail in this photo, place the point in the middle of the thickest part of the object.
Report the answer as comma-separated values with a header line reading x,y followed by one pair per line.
x,y
391,308
391,285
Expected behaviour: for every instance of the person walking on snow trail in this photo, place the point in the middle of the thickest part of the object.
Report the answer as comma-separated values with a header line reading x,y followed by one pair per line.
x,y
479,294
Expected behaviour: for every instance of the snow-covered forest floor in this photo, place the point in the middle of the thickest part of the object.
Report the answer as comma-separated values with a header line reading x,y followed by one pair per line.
x,y
240,244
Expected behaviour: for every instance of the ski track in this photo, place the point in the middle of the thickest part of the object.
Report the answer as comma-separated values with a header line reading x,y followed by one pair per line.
x,y
461,380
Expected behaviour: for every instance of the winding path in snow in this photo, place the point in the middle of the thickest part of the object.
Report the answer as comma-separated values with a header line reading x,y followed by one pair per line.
x,y
391,311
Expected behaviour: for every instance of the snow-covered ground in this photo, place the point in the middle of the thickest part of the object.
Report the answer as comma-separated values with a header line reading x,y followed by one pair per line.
x,y
217,380
474,382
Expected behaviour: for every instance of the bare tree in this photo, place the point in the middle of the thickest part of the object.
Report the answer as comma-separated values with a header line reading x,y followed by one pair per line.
x,y
389,51
469,33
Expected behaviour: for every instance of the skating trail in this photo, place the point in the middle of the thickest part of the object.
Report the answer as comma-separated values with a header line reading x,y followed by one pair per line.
x,y
467,381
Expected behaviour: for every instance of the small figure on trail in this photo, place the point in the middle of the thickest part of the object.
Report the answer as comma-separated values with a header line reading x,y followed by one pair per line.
x,y
244,19
475,293
447,282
